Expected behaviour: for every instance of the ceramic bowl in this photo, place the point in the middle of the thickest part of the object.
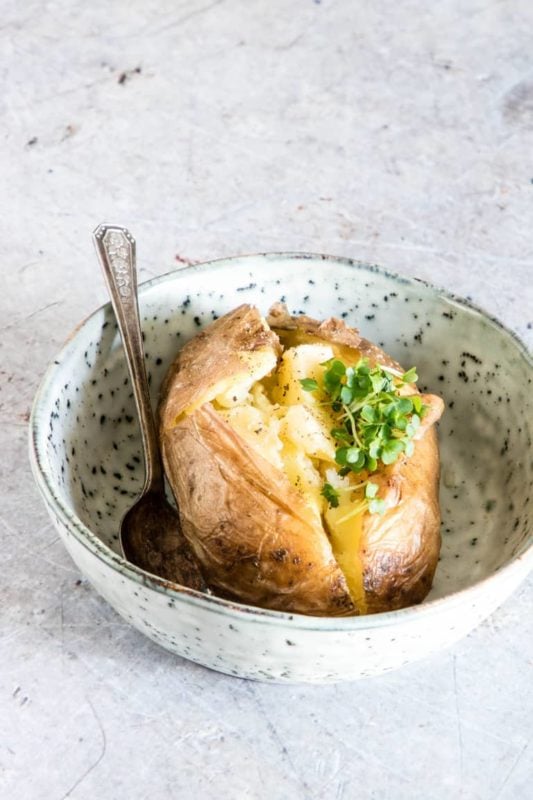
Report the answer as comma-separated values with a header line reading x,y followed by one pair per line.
x,y
86,457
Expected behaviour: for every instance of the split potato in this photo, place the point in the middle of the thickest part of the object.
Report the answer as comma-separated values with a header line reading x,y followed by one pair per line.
x,y
247,451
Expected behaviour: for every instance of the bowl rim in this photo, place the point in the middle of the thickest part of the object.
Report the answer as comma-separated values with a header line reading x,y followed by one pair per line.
x,y
520,563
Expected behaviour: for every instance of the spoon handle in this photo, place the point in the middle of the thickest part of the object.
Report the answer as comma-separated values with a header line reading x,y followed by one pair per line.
x,y
115,247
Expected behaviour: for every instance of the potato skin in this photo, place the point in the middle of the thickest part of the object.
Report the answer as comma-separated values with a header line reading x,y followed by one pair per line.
x,y
249,528
400,549
228,348
332,331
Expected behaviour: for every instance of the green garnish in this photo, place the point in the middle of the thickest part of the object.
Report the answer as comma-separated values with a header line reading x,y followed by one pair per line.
x,y
371,489
331,495
309,384
374,422
375,504
410,376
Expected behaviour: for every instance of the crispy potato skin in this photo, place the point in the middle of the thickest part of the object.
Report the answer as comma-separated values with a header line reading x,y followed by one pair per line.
x,y
332,330
226,349
247,525
249,528
400,549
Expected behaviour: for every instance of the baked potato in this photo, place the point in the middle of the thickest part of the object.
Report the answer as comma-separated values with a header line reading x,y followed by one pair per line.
x,y
249,447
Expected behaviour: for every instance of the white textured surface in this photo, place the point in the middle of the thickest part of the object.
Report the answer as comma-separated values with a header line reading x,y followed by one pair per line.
x,y
396,132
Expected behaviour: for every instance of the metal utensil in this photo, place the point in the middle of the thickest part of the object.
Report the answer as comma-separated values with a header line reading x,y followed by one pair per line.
x,y
150,532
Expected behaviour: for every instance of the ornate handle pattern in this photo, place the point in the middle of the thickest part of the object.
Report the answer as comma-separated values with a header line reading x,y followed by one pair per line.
x,y
115,247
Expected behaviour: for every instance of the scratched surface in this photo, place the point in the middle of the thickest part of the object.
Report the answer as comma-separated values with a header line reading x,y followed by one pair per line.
x,y
400,133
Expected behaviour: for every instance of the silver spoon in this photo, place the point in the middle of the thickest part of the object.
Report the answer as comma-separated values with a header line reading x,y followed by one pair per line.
x,y
150,532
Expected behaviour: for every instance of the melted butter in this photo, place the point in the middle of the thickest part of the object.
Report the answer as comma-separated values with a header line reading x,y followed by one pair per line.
x,y
345,535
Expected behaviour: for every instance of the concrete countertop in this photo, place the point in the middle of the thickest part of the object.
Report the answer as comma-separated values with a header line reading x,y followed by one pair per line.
x,y
400,133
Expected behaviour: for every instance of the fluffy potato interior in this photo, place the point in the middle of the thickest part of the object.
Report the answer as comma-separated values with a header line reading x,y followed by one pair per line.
x,y
291,429
234,391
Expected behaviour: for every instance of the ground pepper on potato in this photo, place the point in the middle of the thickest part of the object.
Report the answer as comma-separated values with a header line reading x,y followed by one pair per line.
x,y
277,513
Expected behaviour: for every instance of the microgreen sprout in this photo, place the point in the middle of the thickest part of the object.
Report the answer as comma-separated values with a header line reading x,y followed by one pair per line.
x,y
374,422
331,495
309,384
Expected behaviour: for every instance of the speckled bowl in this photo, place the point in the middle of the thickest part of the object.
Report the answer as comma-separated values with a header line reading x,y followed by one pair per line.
x,y
85,452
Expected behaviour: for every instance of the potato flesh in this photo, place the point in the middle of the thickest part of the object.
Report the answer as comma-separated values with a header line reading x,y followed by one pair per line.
x,y
297,363
301,472
259,429
234,392
290,429
265,427
305,427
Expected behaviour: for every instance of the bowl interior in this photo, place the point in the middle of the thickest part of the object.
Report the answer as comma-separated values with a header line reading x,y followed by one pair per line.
x,y
88,438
